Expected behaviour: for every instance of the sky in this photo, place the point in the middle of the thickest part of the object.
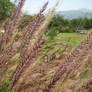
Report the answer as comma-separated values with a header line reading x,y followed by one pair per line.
x,y
33,6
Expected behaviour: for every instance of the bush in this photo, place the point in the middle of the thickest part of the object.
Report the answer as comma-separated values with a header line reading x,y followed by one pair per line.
x,y
52,32
67,30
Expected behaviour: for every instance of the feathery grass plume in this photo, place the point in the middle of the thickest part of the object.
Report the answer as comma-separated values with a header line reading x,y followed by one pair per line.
x,y
28,31
41,30
72,62
86,86
9,52
84,67
26,61
33,29
34,43
56,54
30,27
12,25
88,61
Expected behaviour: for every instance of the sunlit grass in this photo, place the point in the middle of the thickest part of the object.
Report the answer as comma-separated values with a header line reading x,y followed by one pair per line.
x,y
73,38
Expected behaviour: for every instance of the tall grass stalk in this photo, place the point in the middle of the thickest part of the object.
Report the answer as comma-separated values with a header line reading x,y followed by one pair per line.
x,y
72,62
28,31
86,86
26,62
35,44
32,30
12,25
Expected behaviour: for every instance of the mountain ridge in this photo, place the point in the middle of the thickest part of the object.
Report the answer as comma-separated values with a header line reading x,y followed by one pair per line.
x,y
72,14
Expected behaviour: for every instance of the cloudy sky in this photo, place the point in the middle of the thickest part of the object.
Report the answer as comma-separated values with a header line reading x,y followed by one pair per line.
x,y
33,6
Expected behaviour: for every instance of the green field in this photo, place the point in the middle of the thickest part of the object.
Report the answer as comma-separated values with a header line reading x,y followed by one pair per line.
x,y
73,38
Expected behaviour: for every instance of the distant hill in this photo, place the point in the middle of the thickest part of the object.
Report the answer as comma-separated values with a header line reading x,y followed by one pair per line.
x,y
76,13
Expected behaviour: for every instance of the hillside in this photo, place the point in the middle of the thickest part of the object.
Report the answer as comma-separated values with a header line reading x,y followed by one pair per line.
x,y
76,13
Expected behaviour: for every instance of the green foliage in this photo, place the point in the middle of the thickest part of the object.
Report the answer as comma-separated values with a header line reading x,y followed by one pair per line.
x,y
59,20
67,30
4,87
87,73
58,25
74,23
82,23
24,21
6,8
52,32
88,23
61,25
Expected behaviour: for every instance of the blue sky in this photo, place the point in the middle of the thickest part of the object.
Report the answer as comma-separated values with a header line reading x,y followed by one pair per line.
x,y
33,6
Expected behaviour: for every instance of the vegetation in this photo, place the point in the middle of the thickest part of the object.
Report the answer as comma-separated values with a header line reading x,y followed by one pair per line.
x,y
6,9
45,53
61,25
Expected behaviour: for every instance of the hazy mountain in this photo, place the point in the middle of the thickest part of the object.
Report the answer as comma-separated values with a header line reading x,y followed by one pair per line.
x,y
76,13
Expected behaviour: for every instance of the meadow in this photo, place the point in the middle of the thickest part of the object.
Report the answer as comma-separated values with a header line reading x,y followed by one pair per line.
x,y
75,38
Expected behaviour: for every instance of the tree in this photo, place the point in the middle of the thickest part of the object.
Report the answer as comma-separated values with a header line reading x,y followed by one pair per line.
x,y
25,19
88,23
6,8
58,21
